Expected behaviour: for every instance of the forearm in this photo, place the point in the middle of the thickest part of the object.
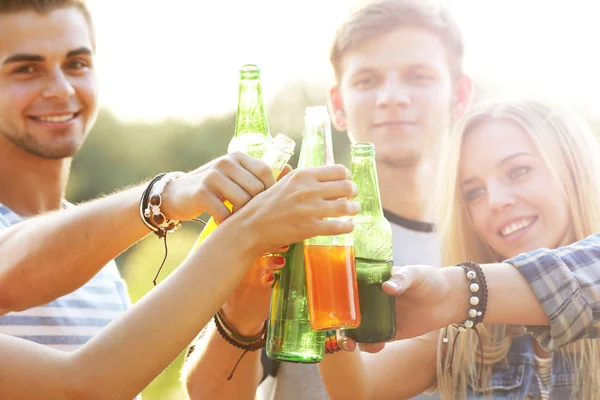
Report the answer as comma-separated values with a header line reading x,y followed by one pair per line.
x,y
131,352
72,245
205,372
510,298
402,369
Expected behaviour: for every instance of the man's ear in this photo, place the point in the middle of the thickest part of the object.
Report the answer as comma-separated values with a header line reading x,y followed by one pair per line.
x,y
463,96
338,117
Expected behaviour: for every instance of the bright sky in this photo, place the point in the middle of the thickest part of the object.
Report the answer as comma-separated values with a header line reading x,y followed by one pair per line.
x,y
180,58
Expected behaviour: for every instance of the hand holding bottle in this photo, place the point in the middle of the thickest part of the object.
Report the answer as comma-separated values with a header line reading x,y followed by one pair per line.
x,y
294,209
235,177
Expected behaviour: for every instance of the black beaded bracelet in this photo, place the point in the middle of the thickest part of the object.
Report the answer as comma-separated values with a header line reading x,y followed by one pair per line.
x,y
476,313
478,299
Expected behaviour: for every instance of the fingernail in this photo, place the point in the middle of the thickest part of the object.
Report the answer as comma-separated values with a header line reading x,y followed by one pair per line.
x,y
393,284
343,343
279,260
268,278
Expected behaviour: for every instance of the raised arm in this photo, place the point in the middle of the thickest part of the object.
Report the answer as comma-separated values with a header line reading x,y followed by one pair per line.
x,y
132,350
69,247
552,292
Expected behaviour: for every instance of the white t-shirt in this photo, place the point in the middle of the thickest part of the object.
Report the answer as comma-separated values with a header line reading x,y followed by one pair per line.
x,y
413,243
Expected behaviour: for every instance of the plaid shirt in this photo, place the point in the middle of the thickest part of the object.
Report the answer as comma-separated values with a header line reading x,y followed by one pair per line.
x,y
566,282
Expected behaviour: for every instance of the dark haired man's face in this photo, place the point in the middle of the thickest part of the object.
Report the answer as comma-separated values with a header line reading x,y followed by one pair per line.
x,y
48,85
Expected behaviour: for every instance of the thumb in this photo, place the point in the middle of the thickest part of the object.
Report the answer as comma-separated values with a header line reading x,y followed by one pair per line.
x,y
402,279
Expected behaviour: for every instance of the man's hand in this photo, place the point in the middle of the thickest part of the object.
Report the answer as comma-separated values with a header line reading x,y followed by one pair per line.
x,y
234,177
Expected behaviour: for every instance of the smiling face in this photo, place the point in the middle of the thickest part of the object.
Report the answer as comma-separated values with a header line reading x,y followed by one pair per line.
x,y
48,86
396,91
515,203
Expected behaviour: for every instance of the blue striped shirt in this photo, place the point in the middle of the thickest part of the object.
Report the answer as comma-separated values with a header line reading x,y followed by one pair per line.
x,y
71,320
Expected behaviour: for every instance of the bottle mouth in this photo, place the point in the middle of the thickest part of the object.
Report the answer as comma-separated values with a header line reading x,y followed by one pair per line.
x,y
250,71
363,148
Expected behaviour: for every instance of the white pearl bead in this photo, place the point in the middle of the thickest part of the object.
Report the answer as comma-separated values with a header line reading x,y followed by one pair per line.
x,y
472,313
479,313
471,275
474,287
474,300
468,324
445,340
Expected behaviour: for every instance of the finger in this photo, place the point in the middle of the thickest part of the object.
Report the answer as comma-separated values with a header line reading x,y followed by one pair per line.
x,y
221,184
286,170
246,176
341,189
215,208
271,262
346,343
402,279
332,173
268,280
279,250
259,169
371,347
336,208
329,228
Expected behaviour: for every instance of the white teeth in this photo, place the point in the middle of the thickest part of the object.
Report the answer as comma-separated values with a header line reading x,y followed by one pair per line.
x,y
512,228
56,118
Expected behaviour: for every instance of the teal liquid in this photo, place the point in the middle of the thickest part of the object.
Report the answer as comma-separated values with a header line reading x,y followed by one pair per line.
x,y
377,308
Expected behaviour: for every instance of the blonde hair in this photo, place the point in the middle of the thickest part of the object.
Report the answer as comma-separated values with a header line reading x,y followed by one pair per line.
x,y
373,18
570,151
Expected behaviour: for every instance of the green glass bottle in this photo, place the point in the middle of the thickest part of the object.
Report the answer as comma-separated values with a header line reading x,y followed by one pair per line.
x,y
289,334
252,136
373,252
329,260
251,124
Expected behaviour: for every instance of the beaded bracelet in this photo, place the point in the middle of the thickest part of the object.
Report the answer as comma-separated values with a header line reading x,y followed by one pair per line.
x,y
475,314
331,344
151,215
154,201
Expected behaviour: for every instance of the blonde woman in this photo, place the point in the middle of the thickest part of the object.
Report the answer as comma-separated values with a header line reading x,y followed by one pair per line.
x,y
518,177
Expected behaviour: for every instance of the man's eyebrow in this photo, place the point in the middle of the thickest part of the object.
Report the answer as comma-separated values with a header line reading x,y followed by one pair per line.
x,y
78,52
22,57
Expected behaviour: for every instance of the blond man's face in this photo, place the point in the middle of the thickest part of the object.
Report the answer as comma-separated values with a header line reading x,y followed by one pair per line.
x,y
396,91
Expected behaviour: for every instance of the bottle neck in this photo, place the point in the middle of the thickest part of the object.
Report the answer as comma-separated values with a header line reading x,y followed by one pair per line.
x,y
317,148
364,175
251,114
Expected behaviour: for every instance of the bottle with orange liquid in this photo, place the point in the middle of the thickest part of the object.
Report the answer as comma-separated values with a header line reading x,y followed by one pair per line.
x,y
329,260
252,135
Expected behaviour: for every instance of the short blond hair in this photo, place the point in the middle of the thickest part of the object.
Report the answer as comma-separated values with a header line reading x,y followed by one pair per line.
x,y
373,18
